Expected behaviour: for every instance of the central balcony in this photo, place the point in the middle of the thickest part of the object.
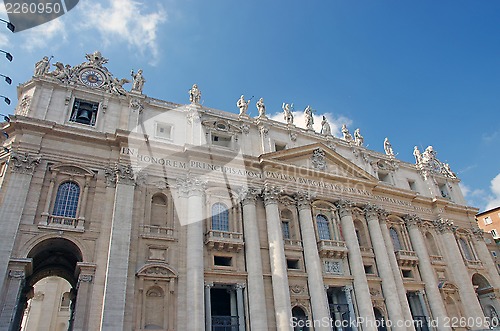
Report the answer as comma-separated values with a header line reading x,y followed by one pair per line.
x,y
224,241
62,223
157,232
332,249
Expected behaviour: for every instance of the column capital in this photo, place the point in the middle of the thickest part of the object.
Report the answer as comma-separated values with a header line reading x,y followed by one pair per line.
x,y
239,286
209,285
190,185
271,194
24,163
248,195
444,225
412,220
371,211
124,174
383,215
344,207
303,199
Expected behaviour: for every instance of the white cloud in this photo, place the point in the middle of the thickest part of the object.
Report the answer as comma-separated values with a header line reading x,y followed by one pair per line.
x,y
112,22
300,121
494,200
124,20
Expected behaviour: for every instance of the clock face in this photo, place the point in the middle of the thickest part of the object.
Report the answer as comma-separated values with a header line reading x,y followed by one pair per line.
x,y
92,78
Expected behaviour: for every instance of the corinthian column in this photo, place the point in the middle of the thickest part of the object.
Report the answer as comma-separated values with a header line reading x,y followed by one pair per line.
x,y
194,189
16,186
115,288
405,306
459,271
281,291
319,301
255,281
427,272
361,288
485,256
384,268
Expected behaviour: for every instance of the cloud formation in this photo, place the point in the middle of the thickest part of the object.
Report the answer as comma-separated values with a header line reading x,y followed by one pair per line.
x,y
494,199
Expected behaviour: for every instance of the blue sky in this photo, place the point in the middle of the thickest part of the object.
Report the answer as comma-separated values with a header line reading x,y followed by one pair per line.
x,y
419,72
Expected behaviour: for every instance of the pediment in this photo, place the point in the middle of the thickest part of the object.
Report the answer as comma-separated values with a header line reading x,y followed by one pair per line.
x,y
318,158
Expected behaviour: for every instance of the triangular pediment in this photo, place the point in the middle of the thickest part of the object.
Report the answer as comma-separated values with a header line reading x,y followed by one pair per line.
x,y
317,158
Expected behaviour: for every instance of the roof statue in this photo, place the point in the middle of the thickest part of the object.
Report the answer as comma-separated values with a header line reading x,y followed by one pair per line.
x,y
138,82
242,105
287,113
194,94
325,127
428,163
358,138
345,133
42,67
308,112
388,147
261,107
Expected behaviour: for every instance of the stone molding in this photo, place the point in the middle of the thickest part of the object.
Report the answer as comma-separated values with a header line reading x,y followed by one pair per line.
x,y
444,225
412,220
371,211
24,163
303,199
191,186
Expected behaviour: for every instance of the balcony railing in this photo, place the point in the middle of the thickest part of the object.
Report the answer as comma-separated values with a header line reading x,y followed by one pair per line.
x,y
61,222
406,258
366,251
332,248
474,264
293,244
224,240
156,231
225,323
437,259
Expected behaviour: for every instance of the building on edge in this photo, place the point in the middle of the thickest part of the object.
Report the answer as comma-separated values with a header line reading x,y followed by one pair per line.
x,y
165,216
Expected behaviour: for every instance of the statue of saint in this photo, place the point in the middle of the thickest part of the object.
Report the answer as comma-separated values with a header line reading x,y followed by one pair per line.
x,y
242,105
194,94
358,138
139,80
388,147
42,66
346,134
308,112
418,155
261,107
325,127
287,113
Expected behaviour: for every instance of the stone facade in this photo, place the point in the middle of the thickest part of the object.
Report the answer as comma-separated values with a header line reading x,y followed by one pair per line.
x,y
181,217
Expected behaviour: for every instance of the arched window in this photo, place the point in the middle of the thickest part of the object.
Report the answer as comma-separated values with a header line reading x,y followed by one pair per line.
x,y
220,217
323,228
465,249
66,202
301,317
159,210
395,239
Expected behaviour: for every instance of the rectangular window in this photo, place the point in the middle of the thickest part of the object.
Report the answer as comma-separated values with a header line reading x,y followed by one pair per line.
x,y
487,220
222,261
444,191
219,140
163,131
412,185
368,269
384,177
279,147
407,273
84,112
494,233
285,226
292,264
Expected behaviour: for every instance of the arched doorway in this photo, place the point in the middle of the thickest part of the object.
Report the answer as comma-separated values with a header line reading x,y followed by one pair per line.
x,y
55,276
484,293
379,317
300,317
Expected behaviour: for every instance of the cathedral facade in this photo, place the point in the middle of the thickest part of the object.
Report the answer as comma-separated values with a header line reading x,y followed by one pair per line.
x,y
165,216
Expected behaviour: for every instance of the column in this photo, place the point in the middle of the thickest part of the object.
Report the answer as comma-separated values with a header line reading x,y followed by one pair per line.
x,y
461,276
427,271
240,306
384,268
255,280
15,190
195,190
361,288
319,300
11,312
352,314
281,291
208,306
422,304
83,204
485,256
115,288
405,306
46,211
81,312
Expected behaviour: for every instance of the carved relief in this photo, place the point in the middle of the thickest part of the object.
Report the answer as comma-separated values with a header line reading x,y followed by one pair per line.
x,y
271,194
445,225
248,195
24,163
318,159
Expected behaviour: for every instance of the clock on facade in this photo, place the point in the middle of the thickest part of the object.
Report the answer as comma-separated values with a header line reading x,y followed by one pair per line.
x,y
92,77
